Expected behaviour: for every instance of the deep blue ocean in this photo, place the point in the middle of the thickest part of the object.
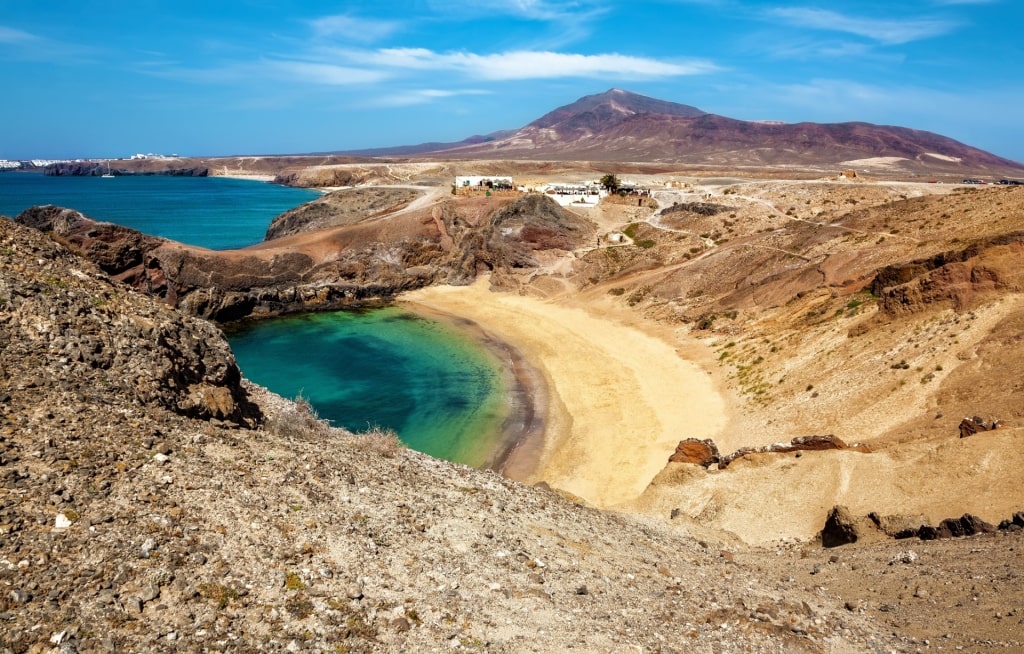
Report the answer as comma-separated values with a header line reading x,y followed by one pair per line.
x,y
431,383
211,212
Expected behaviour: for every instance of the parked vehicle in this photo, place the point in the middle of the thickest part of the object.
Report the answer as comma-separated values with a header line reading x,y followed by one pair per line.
x,y
974,181
1010,182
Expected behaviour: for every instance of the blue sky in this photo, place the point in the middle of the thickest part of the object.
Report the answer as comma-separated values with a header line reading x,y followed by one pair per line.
x,y
201,77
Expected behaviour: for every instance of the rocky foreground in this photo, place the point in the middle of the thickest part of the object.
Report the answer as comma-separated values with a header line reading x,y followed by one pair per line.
x,y
154,501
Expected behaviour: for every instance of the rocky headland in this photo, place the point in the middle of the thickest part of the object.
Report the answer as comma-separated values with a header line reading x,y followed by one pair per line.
x,y
329,260
96,169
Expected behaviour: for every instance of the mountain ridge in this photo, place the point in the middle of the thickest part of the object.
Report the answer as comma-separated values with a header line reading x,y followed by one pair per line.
x,y
621,126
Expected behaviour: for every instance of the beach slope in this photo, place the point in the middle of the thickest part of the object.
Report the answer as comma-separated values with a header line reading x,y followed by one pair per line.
x,y
619,399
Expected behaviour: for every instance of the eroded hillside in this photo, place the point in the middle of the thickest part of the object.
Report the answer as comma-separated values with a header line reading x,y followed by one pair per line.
x,y
880,313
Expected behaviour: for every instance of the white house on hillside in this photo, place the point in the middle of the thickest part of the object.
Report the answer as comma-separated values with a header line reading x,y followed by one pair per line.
x,y
479,181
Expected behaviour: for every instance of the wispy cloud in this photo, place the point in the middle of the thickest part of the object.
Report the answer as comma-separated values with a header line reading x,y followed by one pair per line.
x,y
889,32
540,10
354,29
323,73
529,64
11,35
421,96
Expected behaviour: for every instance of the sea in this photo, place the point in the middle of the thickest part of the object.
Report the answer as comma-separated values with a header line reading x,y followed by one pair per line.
x,y
430,382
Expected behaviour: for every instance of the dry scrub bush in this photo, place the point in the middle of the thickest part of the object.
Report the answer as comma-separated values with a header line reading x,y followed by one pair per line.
x,y
383,442
299,420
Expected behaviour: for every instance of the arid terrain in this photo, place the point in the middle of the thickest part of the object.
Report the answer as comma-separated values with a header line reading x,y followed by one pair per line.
x,y
750,310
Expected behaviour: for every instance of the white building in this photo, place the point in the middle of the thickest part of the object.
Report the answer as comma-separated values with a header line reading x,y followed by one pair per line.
x,y
481,181
581,193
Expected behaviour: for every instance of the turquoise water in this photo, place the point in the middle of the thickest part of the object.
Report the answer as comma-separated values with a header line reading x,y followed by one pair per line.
x,y
386,368
439,390
211,212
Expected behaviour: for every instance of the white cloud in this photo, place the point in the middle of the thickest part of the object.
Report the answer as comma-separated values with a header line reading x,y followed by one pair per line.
x,y
11,35
527,64
327,74
540,10
890,32
353,29
422,96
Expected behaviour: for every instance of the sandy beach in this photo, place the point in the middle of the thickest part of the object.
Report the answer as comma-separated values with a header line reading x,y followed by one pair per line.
x,y
619,399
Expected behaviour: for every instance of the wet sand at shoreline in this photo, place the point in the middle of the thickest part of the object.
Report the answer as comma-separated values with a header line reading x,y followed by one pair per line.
x,y
617,402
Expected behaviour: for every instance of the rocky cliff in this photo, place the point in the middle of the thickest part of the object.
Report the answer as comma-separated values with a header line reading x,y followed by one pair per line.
x,y
63,318
143,510
350,263
95,169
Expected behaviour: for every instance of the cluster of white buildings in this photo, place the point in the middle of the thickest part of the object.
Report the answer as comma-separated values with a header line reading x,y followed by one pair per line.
x,y
579,193
7,164
150,155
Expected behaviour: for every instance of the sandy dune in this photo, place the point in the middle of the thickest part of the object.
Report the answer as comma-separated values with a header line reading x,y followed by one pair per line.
x,y
620,399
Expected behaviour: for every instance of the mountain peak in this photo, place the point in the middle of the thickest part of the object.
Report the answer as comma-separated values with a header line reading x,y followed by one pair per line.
x,y
602,110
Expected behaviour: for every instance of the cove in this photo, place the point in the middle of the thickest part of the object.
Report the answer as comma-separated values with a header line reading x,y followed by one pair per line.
x,y
432,383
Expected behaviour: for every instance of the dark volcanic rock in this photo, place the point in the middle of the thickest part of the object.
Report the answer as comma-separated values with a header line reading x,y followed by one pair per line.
x,y
96,169
83,325
966,525
367,264
972,425
842,527
899,526
117,250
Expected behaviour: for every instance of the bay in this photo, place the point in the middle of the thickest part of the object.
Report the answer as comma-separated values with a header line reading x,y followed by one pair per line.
x,y
218,213
387,368
434,385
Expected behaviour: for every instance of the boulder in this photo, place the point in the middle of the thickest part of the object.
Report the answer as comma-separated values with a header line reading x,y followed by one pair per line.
x,y
971,425
842,528
966,525
899,526
693,450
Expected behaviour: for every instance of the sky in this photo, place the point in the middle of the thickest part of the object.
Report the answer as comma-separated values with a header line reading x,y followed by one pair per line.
x,y
109,78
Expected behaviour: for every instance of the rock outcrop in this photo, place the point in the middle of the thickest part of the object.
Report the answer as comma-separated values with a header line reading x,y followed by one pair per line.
x,y
509,240
692,450
842,528
344,207
64,318
96,169
971,425
960,279
363,263
705,452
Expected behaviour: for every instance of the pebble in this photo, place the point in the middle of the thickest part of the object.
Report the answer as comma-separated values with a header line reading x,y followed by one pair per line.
x,y
20,596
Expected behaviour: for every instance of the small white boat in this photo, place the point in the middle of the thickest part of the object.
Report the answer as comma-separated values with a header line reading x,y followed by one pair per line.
x,y
108,173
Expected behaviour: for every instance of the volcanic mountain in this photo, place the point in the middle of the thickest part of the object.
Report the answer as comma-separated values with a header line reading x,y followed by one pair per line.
x,y
621,126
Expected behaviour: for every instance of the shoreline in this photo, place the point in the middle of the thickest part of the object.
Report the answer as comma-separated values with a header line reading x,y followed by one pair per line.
x,y
617,398
255,177
515,455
